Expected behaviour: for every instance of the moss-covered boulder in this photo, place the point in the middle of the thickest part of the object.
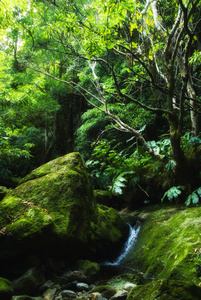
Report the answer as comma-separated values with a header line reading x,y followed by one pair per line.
x,y
53,212
165,290
105,290
169,243
6,289
90,269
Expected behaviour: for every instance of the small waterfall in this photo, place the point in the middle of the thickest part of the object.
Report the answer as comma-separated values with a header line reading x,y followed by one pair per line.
x,y
133,233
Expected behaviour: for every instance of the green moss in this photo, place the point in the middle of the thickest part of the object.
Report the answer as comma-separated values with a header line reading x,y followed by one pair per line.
x,y
105,290
33,220
56,201
61,192
72,161
165,290
6,289
118,282
89,268
107,217
167,243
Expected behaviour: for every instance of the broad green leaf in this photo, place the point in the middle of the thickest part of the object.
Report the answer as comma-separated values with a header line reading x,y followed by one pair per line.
x,y
195,198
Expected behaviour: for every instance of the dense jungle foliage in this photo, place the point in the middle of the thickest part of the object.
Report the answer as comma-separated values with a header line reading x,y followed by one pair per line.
x,y
119,81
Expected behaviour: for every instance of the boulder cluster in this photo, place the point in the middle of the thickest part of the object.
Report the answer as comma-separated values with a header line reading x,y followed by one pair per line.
x,y
84,282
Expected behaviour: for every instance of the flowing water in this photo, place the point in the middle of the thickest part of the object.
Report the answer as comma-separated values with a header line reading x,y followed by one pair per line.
x,y
132,237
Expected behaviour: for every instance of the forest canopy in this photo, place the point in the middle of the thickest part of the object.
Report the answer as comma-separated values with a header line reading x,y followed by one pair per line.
x,y
118,81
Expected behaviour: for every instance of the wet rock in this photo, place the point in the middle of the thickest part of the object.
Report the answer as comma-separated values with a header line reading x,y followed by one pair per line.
x,y
74,276
29,282
82,286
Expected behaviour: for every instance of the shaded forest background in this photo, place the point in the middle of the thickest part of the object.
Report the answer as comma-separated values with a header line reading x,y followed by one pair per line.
x,y
118,81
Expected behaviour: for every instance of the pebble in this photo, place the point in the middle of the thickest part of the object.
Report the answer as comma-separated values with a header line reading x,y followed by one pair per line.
x,y
82,286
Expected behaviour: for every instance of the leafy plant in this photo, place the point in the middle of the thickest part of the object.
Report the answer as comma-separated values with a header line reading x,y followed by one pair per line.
x,y
173,193
194,198
162,146
118,185
111,168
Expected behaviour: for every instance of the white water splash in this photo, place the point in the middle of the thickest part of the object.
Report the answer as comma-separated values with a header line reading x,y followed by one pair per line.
x,y
133,233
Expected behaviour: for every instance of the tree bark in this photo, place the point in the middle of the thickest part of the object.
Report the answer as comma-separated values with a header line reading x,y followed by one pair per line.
x,y
177,151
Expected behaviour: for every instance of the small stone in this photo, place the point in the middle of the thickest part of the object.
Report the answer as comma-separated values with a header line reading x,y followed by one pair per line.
x,y
75,275
68,294
81,286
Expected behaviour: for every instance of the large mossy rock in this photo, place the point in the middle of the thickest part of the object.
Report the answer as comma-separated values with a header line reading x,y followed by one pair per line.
x,y
165,290
6,289
53,212
169,243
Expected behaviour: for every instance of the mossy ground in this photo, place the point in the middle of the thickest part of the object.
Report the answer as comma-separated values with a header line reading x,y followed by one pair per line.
x,y
6,289
169,243
165,290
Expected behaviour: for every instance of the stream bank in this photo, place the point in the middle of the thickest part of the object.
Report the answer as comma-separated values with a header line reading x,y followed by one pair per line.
x,y
169,243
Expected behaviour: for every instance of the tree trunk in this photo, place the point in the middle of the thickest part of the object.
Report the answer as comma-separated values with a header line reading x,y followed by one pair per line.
x,y
177,152
193,108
